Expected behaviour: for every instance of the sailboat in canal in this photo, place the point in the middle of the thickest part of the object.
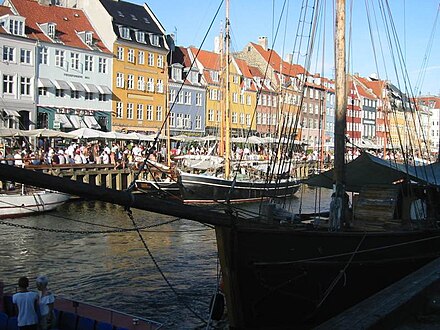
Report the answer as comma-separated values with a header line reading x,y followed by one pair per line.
x,y
287,271
240,180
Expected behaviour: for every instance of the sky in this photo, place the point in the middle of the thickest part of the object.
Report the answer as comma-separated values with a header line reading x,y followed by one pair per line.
x,y
414,22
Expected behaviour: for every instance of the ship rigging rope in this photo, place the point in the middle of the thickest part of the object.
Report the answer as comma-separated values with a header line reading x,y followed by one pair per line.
x,y
144,243
154,143
263,264
341,273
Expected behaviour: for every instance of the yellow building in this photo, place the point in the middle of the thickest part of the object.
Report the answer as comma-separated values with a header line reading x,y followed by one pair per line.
x,y
139,71
242,93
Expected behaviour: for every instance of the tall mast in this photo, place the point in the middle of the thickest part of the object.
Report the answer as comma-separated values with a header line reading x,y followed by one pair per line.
x,y
340,113
227,106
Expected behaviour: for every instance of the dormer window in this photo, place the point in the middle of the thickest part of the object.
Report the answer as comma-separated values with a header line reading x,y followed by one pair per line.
x,y
176,73
89,38
140,36
51,29
214,76
16,27
154,40
125,32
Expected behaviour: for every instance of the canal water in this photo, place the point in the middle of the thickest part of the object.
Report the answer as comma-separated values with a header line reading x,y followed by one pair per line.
x,y
81,248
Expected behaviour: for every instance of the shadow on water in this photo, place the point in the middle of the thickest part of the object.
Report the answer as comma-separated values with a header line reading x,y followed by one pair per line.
x,y
114,269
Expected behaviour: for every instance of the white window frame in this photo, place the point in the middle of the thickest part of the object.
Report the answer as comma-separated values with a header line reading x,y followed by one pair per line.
x,y
120,53
119,80
8,54
130,107
141,83
25,86
140,111
74,61
59,58
130,81
130,55
119,109
149,112
25,56
141,57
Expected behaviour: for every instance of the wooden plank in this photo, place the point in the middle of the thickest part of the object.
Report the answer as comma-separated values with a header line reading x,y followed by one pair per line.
x,y
376,203
392,306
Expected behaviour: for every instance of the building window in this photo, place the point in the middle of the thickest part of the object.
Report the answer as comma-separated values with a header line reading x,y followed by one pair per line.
x,y
89,38
159,113
125,32
214,76
59,92
88,63
160,61
102,97
59,58
16,27
180,98
187,121
242,118
140,112
179,121
25,56
102,65
154,40
248,119
219,116
172,96
119,109
43,55
198,122
8,84
25,86
51,30
188,98
129,110
42,91
141,57
210,115
120,53
149,112
150,85
199,99
159,85
74,94
130,81
249,100
130,55
172,119
8,53
150,59
235,97
141,83
234,118
88,96
140,36
74,61
119,80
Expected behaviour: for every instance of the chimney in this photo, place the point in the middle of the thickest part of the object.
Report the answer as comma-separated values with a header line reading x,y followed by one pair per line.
x,y
218,44
262,41
289,58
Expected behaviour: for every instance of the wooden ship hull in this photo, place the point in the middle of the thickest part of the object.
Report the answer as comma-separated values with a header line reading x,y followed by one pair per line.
x,y
284,277
199,189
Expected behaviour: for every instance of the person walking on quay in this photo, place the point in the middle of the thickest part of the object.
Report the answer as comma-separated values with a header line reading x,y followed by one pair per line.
x,y
27,304
45,303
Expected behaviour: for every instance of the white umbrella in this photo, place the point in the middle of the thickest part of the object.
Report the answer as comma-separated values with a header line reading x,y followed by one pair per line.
x,y
45,132
87,133
10,132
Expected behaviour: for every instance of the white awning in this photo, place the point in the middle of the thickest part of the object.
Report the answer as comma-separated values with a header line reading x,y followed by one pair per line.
x,y
90,88
104,89
91,122
12,113
76,121
45,82
76,86
61,84
62,118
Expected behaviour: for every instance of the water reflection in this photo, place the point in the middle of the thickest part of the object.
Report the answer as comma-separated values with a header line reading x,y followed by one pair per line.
x,y
114,269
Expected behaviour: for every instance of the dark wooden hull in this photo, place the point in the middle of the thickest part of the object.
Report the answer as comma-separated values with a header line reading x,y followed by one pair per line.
x,y
284,278
208,189
163,189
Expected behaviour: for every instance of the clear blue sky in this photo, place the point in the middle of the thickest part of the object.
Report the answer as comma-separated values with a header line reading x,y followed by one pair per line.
x,y
413,19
